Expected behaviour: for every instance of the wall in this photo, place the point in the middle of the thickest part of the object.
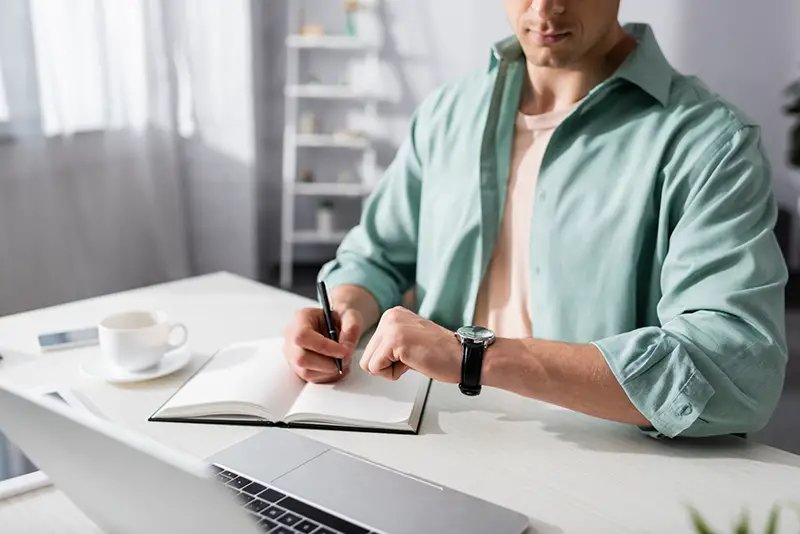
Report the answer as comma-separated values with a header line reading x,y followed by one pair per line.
x,y
746,51
268,23
795,75
425,48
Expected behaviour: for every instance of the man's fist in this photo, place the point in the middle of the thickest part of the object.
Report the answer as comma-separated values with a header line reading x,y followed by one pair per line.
x,y
310,352
404,340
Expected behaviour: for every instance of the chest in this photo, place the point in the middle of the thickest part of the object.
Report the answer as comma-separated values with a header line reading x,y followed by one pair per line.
x,y
591,215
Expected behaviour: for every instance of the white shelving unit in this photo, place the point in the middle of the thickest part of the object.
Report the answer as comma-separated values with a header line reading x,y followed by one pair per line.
x,y
311,238
298,146
323,91
332,141
326,42
331,190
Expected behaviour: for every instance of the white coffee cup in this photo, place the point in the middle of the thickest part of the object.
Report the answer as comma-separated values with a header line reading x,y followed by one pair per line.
x,y
137,340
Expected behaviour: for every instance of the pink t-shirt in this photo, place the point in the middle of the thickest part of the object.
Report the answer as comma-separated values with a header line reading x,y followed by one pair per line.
x,y
503,301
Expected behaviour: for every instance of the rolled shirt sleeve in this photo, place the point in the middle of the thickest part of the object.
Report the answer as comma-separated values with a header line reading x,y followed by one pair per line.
x,y
380,253
716,364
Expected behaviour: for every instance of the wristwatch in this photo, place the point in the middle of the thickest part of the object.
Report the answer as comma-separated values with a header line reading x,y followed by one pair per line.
x,y
474,342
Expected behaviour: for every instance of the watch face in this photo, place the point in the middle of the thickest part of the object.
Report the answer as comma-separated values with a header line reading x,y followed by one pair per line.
x,y
476,333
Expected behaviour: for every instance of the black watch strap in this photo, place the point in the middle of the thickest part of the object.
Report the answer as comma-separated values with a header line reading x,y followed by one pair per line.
x,y
471,365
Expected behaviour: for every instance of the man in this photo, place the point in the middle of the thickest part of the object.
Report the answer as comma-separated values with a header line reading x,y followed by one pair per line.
x,y
608,218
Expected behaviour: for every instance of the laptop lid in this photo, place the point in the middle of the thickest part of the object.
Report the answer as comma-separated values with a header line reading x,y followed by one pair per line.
x,y
124,482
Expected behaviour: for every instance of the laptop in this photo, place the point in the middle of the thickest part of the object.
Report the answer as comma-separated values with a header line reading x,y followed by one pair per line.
x,y
276,481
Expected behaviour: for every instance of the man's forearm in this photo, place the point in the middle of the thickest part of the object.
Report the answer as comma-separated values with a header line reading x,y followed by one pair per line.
x,y
356,298
573,376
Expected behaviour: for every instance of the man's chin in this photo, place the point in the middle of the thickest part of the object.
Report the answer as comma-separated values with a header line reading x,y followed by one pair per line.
x,y
548,60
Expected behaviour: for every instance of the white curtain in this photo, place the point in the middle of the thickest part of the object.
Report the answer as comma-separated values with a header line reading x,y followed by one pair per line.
x,y
3,101
90,62
131,154
92,196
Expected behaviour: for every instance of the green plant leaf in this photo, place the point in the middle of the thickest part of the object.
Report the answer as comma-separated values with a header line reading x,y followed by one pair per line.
x,y
794,145
772,523
700,524
793,108
744,524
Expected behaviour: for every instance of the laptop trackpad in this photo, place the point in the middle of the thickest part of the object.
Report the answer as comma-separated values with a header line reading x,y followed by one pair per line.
x,y
269,454
384,499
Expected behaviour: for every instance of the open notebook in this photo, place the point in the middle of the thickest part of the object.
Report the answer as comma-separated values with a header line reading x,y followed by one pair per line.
x,y
251,383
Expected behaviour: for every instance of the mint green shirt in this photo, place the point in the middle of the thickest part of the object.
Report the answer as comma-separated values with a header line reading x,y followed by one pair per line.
x,y
651,234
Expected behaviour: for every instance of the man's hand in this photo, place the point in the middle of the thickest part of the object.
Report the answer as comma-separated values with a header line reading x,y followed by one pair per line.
x,y
310,352
404,340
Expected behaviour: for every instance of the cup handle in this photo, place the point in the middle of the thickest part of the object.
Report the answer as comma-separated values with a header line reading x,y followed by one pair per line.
x,y
182,342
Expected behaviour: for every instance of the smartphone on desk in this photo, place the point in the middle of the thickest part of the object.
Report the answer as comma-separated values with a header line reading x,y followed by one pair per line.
x,y
68,339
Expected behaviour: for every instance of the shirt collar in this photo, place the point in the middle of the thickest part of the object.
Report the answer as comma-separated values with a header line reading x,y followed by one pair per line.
x,y
646,67
509,49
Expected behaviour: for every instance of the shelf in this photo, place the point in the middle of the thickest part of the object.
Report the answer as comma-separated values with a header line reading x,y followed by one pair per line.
x,y
313,237
323,91
334,141
327,42
332,189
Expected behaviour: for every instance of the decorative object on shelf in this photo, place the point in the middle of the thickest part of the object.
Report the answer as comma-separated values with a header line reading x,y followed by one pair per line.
x,y
312,30
343,80
350,10
309,124
346,177
793,109
307,176
348,135
325,217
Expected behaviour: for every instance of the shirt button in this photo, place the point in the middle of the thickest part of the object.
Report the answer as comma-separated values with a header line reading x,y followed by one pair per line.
x,y
536,270
542,195
686,410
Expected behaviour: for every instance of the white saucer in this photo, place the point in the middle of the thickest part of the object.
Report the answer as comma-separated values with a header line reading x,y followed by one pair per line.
x,y
172,361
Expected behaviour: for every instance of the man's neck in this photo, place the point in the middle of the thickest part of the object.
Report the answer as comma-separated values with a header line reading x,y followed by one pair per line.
x,y
554,89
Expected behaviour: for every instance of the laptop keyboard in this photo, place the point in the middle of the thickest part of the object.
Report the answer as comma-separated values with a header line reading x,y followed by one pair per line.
x,y
277,513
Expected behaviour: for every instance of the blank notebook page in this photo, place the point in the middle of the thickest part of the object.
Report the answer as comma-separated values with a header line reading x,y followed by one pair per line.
x,y
255,373
362,397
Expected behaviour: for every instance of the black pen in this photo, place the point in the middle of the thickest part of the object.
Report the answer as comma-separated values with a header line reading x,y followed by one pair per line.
x,y
322,293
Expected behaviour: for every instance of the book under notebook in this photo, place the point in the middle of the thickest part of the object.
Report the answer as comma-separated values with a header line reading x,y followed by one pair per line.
x,y
251,383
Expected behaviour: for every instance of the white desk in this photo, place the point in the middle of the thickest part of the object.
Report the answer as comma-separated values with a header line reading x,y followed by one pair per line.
x,y
568,472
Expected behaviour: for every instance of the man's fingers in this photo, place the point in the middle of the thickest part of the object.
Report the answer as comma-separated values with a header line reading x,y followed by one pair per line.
x,y
316,377
311,340
373,344
398,370
308,350
317,362
380,364
350,331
